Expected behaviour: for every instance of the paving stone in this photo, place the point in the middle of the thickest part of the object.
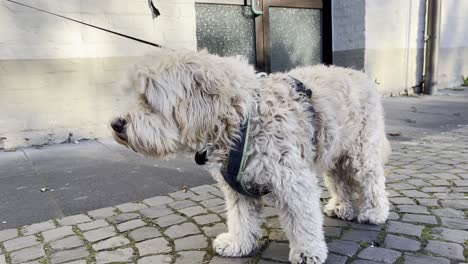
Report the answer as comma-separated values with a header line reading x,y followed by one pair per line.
x,y
158,200
453,235
417,209
225,260
57,233
277,235
161,259
27,254
363,261
392,193
213,231
455,204
418,183
348,248
191,242
68,255
153,246
118,255
449,212
422,259
181,195
461,182
99,234
144,233
393,216
203,189
131,207
335,259
102,213
218,193
170,220
401,200
427,202
74,220
2,259
415,194
460,189
8,234
207,219
416,218
112,242
67,243
445,249
440,182
20,242
449,196
132,224
93,225
201,197
456,223
82,261
39,227
277,251
401,186
328,221
181,204
194,210
365,226
401,243
190,257
379,254
332,231
155,212
117,219
182,230
434,189
404,228
212,202
445,175
360,235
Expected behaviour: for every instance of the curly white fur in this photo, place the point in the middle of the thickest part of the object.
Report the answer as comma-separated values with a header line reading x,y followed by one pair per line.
x,y
189,101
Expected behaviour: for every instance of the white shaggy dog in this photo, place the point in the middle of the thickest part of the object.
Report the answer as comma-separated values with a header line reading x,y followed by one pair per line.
x,y
194,101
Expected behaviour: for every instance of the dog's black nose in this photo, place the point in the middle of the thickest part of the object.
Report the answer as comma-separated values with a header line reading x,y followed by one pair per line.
x,y
118,124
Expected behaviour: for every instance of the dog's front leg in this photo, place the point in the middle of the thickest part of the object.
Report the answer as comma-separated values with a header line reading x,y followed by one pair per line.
x,y
298,196
243,223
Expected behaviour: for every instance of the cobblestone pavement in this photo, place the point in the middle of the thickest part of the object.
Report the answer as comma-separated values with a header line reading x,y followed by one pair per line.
x,y
427,184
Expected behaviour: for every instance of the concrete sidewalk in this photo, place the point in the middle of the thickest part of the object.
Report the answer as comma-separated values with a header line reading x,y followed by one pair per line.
x,y
428,186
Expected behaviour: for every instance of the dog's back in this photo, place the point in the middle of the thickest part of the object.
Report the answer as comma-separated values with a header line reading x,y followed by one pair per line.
x,y
348,104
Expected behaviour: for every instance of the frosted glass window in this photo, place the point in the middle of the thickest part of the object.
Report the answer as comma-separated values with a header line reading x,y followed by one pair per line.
x,y
295,37
226,30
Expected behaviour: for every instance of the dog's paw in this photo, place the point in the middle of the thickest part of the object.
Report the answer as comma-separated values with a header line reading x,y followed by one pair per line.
x,y
229,245
342,211
374,215
316,255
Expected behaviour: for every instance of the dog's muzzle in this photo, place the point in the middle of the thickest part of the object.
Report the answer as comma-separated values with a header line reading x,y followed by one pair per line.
x,y
119,126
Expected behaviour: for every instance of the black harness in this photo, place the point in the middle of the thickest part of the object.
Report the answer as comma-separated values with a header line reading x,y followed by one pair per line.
x,y
233,168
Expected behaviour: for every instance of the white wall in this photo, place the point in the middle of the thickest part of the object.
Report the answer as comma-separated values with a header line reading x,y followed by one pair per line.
x,y
386,40
57,76
394,43
453,54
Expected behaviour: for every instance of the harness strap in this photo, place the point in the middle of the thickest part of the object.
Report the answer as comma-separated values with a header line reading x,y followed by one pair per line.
x,y
234,167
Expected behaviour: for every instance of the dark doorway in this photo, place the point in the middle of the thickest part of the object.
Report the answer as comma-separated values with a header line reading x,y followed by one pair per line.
x,y
281,35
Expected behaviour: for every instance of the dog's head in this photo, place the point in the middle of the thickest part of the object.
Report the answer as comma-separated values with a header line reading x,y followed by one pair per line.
x,y
184,99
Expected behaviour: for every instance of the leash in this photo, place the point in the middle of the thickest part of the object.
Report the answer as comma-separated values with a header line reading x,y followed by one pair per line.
x,y
90,25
